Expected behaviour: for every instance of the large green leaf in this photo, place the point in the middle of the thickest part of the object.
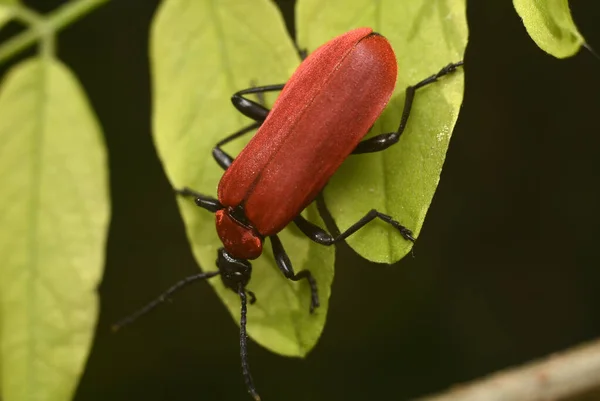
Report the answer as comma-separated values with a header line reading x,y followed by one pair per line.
x,y
202,52
54,212
400,181
550,25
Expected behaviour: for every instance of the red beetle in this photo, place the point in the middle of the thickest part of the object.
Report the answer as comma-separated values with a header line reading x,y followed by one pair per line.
x,y
323,112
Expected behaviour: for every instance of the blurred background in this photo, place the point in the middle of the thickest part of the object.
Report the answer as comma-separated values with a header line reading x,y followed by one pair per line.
x,y
505,269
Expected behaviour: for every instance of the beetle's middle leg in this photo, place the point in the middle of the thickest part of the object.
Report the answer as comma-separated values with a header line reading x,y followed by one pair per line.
x,y
384,141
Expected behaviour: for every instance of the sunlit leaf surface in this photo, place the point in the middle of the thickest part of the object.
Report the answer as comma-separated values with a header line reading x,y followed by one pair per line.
x,y
54,213
550,25
202,52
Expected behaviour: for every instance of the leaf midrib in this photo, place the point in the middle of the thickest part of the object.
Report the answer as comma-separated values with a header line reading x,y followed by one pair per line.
x,y
37,138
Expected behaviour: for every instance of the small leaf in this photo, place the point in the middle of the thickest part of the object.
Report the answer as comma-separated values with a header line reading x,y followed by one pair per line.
x,y
550,25
54,214
400,181
202,52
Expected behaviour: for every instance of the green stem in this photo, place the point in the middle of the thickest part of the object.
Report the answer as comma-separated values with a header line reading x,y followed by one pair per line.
x,y
70,12
46,26
27,16
18,44
47,46
39,24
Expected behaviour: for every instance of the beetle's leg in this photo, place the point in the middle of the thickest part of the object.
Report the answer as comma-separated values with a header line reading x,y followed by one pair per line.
x,y
320,236
384,141
250,108
206,202
303,53
252,297
222,158
284,264
244,346
260,96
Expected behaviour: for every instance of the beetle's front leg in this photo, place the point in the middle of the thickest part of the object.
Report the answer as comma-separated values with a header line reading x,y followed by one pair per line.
x,y
256,111
284,264
222,158
204,201
249,108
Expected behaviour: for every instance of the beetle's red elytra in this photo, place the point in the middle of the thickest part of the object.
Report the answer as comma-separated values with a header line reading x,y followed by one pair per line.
x,y
320,117
316,122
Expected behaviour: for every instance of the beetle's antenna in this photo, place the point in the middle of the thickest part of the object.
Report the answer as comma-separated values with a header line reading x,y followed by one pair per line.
x,y
162,298
244,347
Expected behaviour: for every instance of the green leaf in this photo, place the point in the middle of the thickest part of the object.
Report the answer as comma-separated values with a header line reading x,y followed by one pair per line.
x,y
202,52
6,10
54,213
550,25
400,181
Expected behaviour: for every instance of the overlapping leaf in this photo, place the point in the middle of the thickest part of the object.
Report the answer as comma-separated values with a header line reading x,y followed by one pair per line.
x,y
400,181
202,52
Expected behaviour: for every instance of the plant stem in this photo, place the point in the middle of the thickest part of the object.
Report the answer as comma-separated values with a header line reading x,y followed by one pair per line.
x,y
48,25
72,11
27,16
18,44
557,377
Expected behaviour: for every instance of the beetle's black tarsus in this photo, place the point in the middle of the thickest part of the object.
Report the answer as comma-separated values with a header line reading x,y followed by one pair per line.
x,y
320,236
162,298
284,264
384,141
244,344
204,201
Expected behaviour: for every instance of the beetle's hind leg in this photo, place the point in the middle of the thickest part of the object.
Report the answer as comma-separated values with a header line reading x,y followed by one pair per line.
x,y
284,264
320,236
384,141
376,144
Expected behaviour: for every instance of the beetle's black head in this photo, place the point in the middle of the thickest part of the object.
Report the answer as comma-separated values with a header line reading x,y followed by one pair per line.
x,y
233,271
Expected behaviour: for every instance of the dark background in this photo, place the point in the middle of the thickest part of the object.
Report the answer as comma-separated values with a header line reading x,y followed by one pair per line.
x,y
506,267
